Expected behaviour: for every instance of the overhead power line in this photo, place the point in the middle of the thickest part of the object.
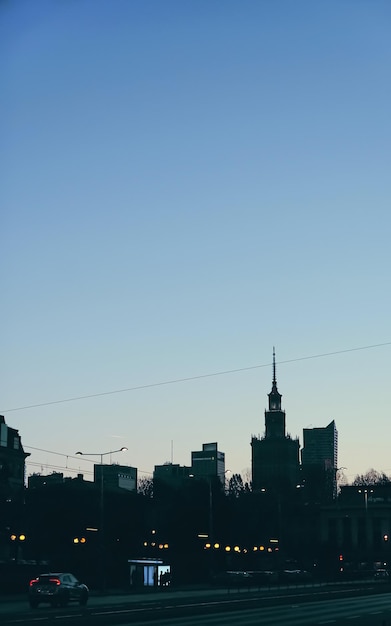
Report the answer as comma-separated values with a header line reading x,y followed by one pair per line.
x,y
190,378
82,459
68,456
62,468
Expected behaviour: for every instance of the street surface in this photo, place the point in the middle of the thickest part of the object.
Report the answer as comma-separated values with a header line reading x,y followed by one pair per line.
x,y
279,607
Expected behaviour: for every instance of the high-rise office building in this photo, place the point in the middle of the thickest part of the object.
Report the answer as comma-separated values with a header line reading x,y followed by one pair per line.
x,y
319,458
275,456
208,462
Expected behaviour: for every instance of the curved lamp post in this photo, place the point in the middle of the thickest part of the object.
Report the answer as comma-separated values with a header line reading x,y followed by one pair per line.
x,y
101,506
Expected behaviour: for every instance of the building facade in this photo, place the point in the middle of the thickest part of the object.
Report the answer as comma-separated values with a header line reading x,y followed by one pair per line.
x,y
12,459
358,525
319,458
171,473
12,477
208,462
116,476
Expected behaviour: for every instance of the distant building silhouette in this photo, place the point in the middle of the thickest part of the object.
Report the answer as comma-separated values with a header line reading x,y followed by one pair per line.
x,y
116,476
208,462
171,473
275,457
39,480
169,477
319,458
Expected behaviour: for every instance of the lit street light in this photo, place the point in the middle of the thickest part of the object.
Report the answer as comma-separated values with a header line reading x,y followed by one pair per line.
x,y
18,541
365,492
101,528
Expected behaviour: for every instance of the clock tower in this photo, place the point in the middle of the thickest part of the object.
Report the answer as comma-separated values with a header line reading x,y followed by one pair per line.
x,y
274,417
275,456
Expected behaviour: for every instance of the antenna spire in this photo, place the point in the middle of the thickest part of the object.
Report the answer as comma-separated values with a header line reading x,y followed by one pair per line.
x,y
274,395
274,366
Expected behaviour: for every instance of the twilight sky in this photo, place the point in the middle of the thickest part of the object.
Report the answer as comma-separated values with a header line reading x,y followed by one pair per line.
x,y
185,184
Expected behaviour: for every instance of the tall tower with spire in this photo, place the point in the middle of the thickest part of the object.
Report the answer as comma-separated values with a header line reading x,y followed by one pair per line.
x,y
275,456
274,417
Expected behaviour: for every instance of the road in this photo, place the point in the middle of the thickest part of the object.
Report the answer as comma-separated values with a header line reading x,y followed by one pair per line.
x,y
283,608
368,611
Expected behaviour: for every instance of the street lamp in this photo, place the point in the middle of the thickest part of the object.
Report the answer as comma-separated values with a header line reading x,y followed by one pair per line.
x,y
18,541
101,506
365,492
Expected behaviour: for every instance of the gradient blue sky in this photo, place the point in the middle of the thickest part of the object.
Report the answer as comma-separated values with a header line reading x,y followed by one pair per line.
x,y
185,184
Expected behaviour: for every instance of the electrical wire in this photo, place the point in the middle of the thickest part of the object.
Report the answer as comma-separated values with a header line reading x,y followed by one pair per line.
x,y
58,453
68,456
190,378
178,380
47,466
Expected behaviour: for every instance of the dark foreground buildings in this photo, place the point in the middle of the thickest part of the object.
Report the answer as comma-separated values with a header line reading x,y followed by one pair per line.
x,y
12,461
12,476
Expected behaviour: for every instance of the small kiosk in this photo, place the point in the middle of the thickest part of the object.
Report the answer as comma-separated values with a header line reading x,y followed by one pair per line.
x,y
148,573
